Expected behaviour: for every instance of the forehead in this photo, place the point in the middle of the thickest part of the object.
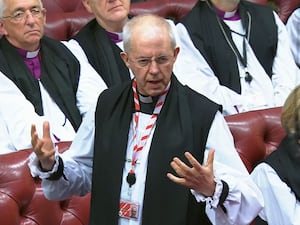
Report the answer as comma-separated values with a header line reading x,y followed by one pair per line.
x,y
108,1
147,34
21,4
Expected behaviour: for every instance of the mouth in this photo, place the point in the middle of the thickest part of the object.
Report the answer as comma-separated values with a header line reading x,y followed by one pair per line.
x,y
115,7
154,82
33,31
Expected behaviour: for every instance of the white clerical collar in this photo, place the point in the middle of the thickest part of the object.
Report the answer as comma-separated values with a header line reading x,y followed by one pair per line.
x,y
229,14
30,55
145,99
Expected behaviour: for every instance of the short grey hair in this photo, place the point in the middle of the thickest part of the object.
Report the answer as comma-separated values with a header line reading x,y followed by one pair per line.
x,y
157,22
3,7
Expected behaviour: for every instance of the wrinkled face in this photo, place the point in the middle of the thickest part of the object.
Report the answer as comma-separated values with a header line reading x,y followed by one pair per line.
x,y
110,14
151,60
24,23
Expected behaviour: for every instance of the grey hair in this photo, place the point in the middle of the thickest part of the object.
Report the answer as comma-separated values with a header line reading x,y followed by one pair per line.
x,y
157,23
3,7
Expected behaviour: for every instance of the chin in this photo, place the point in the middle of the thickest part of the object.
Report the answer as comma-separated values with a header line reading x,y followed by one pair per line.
x,y
155,93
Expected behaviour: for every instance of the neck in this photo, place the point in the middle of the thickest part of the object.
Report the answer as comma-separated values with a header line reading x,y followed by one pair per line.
x,y
226,5
145,99
114,27
27,48
28,54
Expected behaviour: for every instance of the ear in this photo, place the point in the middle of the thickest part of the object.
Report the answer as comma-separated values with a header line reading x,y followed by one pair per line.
x,y
45,16
86,4
176,52
2,28
125,58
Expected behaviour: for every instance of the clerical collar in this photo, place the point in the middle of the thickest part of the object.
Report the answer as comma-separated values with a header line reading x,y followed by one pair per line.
x,y
115,37
28,55
32,61
145,99
147,103
233,15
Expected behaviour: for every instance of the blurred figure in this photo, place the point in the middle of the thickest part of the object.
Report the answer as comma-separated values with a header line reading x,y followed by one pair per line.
x,y
293,28
278,176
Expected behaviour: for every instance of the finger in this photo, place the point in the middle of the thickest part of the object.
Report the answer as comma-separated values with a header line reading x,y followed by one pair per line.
x,y
176,168
37,146
192,160
210,158
33,129
177,164
46,129
175,179
34,135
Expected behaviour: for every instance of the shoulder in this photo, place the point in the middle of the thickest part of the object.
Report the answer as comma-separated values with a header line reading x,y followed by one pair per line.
x,y
55,46
294,17
256,7
200,101
113,93
76,49
87,29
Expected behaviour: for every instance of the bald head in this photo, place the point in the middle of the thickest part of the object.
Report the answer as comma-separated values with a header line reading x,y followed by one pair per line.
x,y
146,26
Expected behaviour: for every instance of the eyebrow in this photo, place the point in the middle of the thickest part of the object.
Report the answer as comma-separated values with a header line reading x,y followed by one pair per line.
x,y
24,9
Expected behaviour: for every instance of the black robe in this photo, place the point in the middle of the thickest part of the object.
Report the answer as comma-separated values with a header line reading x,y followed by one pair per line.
x,y
60,72
182,125
102,53
201,23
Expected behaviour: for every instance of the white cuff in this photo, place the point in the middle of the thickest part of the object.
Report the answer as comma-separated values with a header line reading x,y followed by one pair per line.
x,y
213,201
35,169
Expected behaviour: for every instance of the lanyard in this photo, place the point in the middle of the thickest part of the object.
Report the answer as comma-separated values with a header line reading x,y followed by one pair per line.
x,y
140,143
241,58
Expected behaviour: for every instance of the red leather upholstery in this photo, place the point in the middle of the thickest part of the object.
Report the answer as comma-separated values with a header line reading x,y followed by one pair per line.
x,y
22,202
66,17
256,134
286,7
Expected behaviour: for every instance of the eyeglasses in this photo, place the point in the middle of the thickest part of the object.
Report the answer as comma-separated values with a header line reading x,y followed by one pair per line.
x,y
21,15
145,62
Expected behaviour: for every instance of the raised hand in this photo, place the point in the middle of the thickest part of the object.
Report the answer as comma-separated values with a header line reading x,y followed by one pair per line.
x,y
43,147
197,177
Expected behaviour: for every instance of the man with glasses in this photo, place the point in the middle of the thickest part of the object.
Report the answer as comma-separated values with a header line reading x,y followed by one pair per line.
x,y
143,130
45,72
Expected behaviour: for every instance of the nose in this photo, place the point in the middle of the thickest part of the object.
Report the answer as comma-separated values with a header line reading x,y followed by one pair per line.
x,y
153,69
29,18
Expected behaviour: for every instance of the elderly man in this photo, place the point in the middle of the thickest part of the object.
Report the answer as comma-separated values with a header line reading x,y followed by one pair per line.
x,y
141,130
43,71
100,41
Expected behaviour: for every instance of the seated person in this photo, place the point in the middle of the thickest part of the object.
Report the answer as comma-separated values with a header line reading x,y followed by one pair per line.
x,y
278,176
100,41
142,129
293,28
245,45
41,72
